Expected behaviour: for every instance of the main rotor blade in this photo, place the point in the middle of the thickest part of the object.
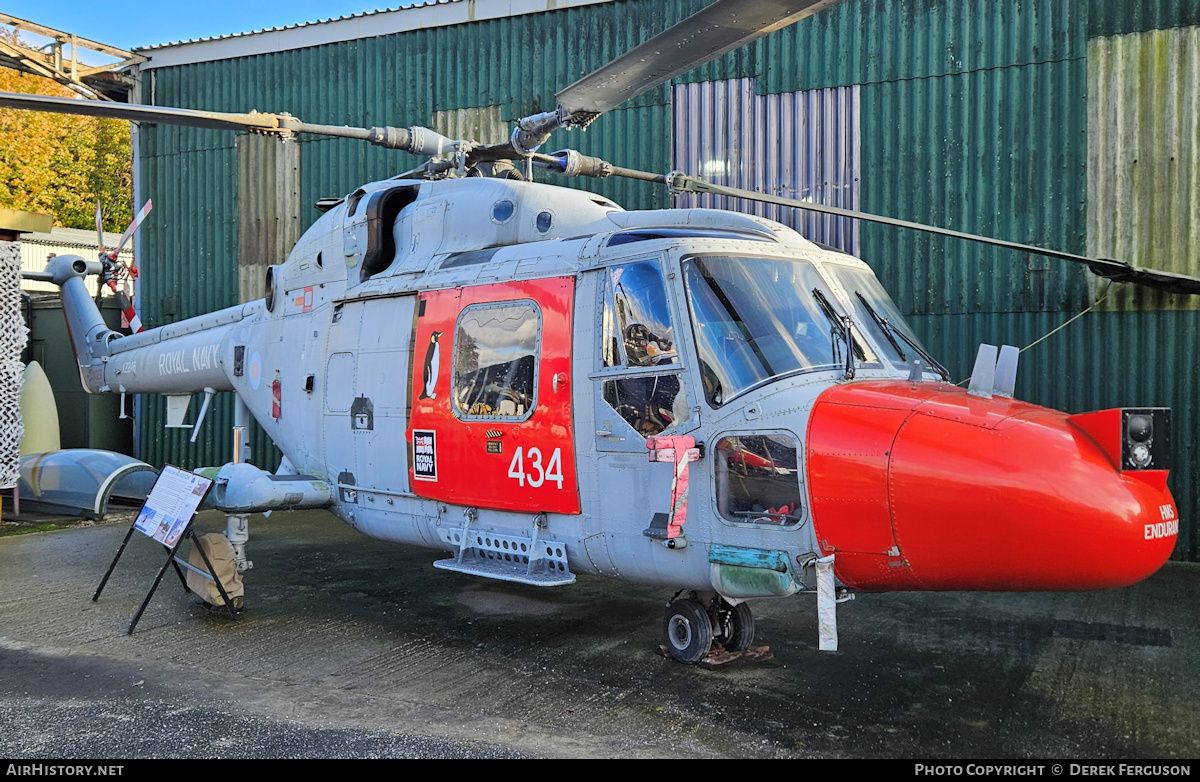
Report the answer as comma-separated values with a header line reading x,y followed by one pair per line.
x,y
140,113
419,141
720,28
1118,271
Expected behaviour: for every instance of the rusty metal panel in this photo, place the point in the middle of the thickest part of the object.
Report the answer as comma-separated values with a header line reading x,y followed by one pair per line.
x,y
802,145
269,209
480,123
1143,188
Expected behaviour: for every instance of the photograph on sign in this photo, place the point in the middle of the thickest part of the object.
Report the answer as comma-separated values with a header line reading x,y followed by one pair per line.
x,y
171,504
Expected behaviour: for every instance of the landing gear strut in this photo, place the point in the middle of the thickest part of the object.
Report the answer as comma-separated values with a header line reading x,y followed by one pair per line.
x,y
692,626
735,625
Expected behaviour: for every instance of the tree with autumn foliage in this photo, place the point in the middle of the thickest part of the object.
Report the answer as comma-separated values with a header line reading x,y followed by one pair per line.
x,y
62,164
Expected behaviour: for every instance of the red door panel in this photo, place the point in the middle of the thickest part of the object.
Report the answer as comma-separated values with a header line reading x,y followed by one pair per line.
x,y
483,455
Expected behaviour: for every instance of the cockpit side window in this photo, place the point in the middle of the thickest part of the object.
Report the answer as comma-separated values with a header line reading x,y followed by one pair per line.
x,y
758,479
638,340
637,319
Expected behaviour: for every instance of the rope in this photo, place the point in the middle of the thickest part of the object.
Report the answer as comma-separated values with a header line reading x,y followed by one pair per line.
x,y
1061,326
1051,333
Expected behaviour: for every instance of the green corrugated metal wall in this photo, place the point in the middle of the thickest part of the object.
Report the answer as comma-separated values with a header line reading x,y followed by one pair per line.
x,y
974,117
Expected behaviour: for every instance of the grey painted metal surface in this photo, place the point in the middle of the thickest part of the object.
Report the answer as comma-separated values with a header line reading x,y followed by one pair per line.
x,y
177,358
307,362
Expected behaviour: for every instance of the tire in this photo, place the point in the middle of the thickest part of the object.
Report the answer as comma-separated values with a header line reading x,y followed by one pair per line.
x,y
687,631
741,630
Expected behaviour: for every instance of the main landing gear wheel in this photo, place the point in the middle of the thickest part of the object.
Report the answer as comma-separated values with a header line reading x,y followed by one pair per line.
x,y
737,627
687,631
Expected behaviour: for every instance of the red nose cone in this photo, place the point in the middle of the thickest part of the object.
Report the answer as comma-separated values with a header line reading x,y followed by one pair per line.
x,y
923,486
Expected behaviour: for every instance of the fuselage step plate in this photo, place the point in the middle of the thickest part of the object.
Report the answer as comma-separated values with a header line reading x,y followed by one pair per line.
x,y
506,571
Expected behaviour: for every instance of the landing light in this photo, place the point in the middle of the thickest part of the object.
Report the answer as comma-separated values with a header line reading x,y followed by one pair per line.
x,y
1134,438
1146,438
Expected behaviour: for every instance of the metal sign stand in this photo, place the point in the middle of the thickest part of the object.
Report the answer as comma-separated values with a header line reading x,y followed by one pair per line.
x,y
171,491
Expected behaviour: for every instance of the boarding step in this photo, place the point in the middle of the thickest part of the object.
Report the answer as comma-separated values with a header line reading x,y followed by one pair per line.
x,y
525,560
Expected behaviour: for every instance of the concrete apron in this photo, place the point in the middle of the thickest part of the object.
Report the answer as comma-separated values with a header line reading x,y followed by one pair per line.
x,y
344,632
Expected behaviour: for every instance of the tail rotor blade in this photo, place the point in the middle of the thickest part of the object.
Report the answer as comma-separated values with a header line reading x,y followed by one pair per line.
x,y
137,221
99,228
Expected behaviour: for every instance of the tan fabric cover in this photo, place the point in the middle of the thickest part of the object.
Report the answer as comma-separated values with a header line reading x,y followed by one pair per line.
x,y
220,553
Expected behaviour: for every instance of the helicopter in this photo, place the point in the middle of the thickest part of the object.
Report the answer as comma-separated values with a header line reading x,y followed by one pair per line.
x,y
541,384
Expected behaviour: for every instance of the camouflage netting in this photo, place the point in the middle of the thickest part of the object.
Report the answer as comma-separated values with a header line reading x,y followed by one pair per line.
x,y
12,342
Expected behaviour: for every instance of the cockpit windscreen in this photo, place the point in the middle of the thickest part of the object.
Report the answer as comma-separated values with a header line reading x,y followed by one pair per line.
x,y
759,318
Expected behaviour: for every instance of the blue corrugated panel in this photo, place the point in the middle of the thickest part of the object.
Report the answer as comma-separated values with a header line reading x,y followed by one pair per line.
x,y
795,145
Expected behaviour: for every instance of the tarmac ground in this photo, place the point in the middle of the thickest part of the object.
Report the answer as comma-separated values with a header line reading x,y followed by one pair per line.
x,y
352,647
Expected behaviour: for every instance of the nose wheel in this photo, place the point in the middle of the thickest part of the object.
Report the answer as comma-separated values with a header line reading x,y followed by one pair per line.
x,y
691,629
687,630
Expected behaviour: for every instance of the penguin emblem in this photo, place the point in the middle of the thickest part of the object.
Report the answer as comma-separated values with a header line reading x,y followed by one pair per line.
x,y
433,360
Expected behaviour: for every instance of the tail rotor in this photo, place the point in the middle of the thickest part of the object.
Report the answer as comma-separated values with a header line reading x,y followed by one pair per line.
x,y
116,270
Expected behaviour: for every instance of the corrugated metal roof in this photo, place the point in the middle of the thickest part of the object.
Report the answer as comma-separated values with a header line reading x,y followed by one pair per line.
x,y
71,237
429,14
295,26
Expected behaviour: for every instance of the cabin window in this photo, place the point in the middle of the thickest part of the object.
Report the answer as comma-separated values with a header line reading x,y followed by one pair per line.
x,y
502,211
638,342
758,479
496,352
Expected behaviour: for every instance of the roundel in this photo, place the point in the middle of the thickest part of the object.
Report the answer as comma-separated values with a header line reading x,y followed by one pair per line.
x,y
255,370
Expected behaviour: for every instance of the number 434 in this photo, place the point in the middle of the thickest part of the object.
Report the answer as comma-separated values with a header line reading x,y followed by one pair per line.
x,y
537,474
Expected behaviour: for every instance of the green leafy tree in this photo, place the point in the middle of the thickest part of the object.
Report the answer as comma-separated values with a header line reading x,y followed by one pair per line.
x,y
62,164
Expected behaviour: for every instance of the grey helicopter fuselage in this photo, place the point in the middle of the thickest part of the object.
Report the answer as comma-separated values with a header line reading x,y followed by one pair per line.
x,y
337,331
543,384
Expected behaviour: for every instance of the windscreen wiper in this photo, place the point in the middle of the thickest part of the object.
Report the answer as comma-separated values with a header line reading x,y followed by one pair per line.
x,y
891,332
840,326
835,320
